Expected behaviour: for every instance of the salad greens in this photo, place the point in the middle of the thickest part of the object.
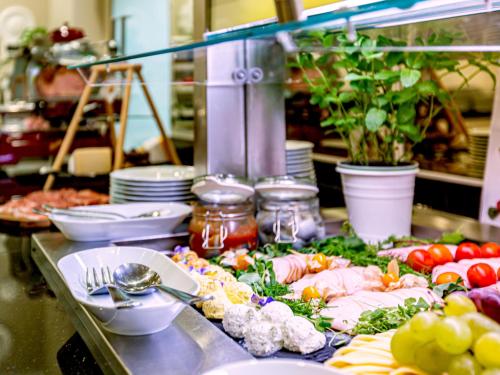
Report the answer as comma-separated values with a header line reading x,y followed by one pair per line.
x,y
383,319
261,277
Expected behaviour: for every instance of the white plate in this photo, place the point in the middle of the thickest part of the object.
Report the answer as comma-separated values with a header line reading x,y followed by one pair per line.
x,y
273,367
147,198
115,190
154,185
157,310
149,188
13,21
293,145
90,229
162,173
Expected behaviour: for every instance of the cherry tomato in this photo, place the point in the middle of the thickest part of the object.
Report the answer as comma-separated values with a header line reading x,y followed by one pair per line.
x,y
318,263
310,293
448,277
389,277
420,260
481,275
490,250
440,254
467,250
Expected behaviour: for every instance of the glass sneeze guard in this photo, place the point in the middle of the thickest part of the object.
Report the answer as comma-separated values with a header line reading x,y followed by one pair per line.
x,y
352,15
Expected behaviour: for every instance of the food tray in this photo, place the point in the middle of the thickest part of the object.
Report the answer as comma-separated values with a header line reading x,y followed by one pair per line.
x,y
334,341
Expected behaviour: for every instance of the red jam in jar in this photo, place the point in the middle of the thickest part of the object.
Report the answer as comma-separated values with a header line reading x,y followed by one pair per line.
x,y
217,227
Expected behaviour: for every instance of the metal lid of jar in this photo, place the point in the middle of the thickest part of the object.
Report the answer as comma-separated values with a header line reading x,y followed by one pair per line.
x,y
222,188
286,188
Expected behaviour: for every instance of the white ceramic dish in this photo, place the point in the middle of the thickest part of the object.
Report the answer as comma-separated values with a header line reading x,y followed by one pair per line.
x,y
154,185
146,198
272,367
91,229
149,194
155,173
158,309
151,189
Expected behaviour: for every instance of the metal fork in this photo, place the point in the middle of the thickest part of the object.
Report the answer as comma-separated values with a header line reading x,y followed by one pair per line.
x,y
104,284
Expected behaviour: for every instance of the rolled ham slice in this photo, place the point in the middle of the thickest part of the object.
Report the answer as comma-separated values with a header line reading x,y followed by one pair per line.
x,y
293,267
345,311
402,253
341,281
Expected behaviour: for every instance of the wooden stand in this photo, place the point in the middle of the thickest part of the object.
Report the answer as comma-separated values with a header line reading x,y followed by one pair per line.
x,y
95,73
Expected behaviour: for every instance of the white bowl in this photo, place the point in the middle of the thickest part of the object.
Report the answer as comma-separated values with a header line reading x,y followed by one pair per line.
x,y
158,309
272,367
91,229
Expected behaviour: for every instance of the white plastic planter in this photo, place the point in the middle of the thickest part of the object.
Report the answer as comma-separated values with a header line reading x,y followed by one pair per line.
x,y
379,200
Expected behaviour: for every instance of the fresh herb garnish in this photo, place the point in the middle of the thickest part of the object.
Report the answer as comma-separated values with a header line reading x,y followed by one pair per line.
x,y
443,290
261,277
383,319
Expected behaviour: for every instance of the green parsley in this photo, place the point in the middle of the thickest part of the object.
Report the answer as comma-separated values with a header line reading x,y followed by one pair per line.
x,y
383,319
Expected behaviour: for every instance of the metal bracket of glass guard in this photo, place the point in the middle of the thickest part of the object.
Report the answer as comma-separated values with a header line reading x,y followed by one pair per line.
x,y
206,234
252,75
293,225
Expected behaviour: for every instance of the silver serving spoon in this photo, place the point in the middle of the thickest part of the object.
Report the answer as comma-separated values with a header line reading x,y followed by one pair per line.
x,y
136,278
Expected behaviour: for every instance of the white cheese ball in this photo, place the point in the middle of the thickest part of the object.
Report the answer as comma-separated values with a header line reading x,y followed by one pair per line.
x,y
276,312
263,338
237,318
299,335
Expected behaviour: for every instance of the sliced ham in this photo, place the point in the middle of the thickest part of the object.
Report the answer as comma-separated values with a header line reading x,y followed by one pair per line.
x,y
64,198
402,253
345,311
462,266
293,267
341,281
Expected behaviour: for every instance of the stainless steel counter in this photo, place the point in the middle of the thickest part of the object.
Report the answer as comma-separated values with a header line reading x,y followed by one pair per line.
x,y
191,345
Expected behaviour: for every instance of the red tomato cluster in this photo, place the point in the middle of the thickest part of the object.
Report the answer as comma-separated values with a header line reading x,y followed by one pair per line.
x,y
425,260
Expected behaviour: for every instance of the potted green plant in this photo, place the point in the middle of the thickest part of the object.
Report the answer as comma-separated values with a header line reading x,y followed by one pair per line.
x,y
370,88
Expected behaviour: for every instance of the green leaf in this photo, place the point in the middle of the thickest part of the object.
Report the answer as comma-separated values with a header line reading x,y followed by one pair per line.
x,y
387,75
328,40
374,119
427,88
357,77
249,278
328,122
394,58
406,113
452,237
409,77
412,132
347,96
405,95
306,60
380,101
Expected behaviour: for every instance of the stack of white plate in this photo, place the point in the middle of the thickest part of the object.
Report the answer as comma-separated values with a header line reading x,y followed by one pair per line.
x,y
165,183
478,149
299,161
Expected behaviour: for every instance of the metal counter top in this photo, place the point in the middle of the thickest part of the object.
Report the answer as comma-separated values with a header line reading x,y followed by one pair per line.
x,y
191,345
